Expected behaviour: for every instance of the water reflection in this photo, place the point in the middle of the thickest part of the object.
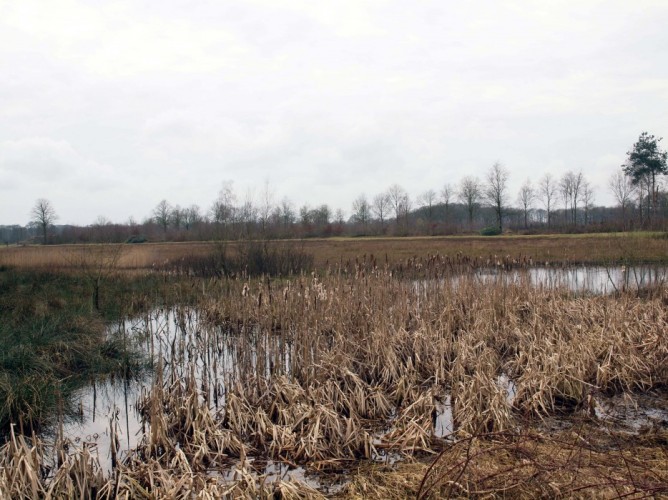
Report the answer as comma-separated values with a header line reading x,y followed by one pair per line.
x,y
578,279
183,345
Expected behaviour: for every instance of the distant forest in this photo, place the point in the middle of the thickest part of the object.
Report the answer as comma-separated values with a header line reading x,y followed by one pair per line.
x,y
473,206
464,209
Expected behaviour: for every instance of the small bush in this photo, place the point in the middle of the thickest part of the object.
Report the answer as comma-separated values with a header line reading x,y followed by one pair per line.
x,y
253,258
490,231
138,238
260,257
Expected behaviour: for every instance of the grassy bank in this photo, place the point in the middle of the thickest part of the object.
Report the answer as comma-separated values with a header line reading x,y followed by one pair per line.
x,y
54,339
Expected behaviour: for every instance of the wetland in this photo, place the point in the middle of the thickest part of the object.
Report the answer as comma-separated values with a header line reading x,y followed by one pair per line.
x,y
363,377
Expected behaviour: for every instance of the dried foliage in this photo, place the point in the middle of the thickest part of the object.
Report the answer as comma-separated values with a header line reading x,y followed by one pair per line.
x,y
331,371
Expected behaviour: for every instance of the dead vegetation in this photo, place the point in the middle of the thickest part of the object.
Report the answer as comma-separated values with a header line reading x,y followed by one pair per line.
x,y
330,372
603,248
578,463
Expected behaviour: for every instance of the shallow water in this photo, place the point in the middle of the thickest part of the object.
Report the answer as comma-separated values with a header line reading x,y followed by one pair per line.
x,y
178,341
581,279
271,471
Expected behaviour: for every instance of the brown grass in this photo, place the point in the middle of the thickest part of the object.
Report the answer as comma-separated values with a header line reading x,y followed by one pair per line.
x,y
597,248
579,463
133,257
582,462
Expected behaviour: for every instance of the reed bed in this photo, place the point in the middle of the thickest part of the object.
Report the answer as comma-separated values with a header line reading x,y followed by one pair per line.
x,y
603,248
352,366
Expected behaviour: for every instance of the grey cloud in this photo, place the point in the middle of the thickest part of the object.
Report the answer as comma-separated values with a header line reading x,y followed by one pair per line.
x,y
114,106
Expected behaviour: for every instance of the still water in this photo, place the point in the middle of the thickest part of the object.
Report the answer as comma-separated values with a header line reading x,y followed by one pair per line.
x,y
177,341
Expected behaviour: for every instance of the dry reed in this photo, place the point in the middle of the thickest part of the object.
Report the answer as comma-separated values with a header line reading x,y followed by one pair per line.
x,y
327,371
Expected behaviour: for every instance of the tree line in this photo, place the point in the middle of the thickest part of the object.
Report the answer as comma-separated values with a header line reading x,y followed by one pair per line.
x,y
473,205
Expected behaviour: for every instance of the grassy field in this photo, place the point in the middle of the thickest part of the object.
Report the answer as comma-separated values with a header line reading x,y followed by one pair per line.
x,y
586,248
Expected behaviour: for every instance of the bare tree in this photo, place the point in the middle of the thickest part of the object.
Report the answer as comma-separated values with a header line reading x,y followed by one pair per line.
x,y
96,263
571,191
623,189
381,205
224,209
405,208
322,215
547,189
247,215
587,199
644,193
162,213
398,197
526,198
428,199
469,195
447,193
266,205
339,217
496,191
288,215
578,181
191,216
101,220
102,228
43,215
570,188
177,216
566,190
361,211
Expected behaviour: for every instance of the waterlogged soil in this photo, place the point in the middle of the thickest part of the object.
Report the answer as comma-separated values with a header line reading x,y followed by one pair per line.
x,y
179,344
633,413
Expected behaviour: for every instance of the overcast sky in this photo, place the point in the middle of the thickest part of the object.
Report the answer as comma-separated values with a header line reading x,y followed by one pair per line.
x,y
107,107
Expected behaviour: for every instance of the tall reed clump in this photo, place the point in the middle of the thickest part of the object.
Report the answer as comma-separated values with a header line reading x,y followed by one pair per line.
x,y
244,258
325,371
27,471
336,368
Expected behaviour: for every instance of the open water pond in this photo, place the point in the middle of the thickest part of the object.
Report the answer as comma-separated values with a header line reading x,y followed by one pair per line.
x,y
580,279
181,344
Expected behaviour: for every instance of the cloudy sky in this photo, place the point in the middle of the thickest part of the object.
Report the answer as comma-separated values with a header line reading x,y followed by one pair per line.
x,y
107,107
